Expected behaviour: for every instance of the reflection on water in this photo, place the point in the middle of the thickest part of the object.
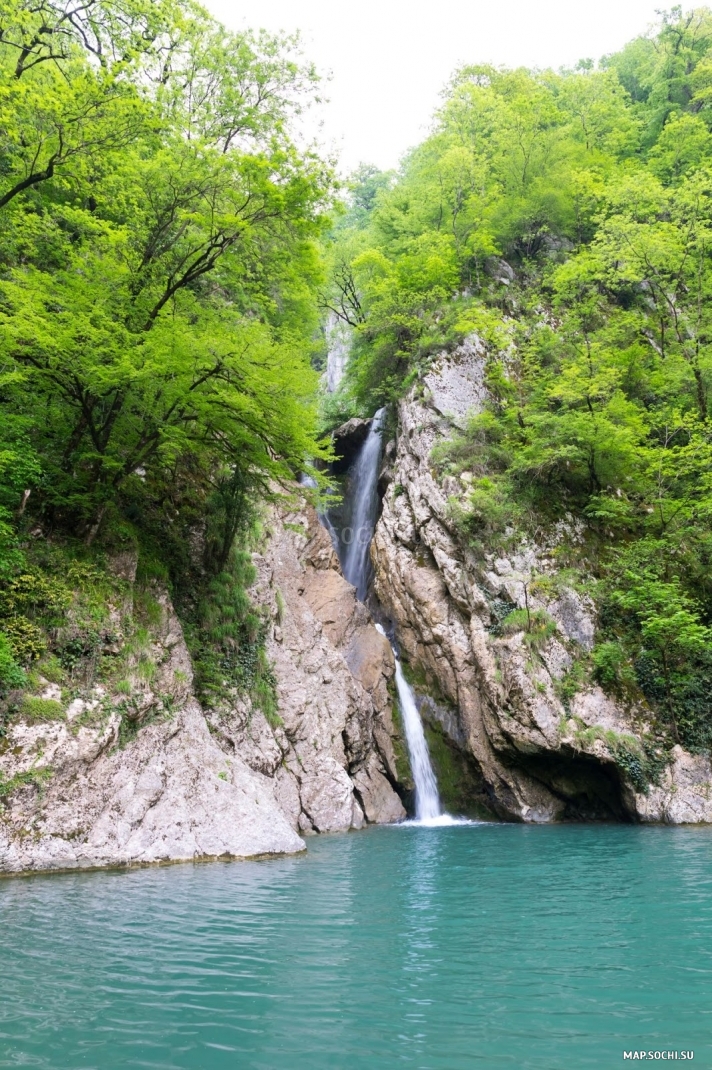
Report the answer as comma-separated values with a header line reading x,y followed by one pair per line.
x,y
433,948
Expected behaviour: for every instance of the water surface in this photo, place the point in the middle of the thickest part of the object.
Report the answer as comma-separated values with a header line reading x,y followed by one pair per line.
x,y
431,948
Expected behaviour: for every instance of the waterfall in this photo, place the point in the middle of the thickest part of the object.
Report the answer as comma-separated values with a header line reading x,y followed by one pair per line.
x,y
356,539
427,800
337,341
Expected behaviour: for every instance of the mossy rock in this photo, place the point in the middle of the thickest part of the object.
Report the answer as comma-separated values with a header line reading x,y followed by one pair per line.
x,y
460,783
34,709
400,748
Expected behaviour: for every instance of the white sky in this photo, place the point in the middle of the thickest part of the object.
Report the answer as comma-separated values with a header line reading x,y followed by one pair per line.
x,y
389,59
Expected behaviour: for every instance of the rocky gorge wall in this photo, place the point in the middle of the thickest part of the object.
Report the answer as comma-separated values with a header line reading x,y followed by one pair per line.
x,y
534,757
88,788
106,782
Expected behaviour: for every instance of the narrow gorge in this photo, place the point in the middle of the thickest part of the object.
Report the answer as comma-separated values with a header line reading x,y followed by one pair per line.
x,y
328,508
225,782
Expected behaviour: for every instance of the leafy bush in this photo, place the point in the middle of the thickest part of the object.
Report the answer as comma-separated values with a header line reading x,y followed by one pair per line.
x,y
27,640
571,683
227,639
51,668
11,675
611,666
78,648
537,625
36,595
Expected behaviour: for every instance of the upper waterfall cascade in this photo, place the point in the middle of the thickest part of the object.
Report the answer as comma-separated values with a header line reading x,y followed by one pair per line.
x,y
356,538
337,352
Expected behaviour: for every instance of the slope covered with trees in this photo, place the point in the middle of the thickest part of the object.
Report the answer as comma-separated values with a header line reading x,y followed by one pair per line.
x,y
566,218
158,271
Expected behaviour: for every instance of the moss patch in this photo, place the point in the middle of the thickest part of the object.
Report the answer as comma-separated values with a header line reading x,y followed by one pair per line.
x,y
35,777
34,709
462,790
400,748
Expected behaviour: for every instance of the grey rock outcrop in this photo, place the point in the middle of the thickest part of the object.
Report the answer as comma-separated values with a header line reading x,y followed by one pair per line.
x,y
111,782
170,793
540,760
332,758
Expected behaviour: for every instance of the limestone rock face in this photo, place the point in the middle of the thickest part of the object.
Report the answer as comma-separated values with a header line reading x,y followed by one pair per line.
x,y
170,793
539,760
685,794
160,779
332,758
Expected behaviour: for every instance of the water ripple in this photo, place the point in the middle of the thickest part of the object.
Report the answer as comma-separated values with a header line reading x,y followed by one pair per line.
x,y
428,948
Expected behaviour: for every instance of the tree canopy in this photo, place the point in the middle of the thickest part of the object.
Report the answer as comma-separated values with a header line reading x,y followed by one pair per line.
x,y
158,260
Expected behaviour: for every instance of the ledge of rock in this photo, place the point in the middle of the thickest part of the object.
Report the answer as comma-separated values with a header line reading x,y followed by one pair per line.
x,y
347,438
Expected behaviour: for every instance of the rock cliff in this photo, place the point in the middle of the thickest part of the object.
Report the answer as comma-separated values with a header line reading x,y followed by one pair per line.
x,y
537,755
90,780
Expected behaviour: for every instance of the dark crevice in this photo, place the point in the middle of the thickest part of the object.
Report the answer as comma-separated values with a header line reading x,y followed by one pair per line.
x,y
590,790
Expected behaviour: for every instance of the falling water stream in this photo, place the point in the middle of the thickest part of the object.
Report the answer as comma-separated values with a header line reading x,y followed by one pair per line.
x,y
356,565
355,560
427,799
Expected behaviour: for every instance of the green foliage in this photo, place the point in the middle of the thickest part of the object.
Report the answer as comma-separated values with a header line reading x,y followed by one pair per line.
x,y
50,667
536,624
11,675
158,310
34,777
27,640
642,762
571,683
279,602
33,709
159,267
37,595
611,667
227,639
146,669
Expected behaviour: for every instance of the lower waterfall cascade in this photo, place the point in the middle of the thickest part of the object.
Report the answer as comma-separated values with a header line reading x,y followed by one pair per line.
x,y
427,798
428,808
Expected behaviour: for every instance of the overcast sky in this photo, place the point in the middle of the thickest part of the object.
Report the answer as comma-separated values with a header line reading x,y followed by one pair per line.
x,y
389,59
